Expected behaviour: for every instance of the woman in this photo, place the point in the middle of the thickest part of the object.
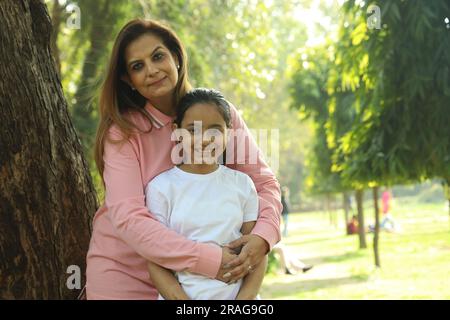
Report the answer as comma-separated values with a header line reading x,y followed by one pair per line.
x,y
146,78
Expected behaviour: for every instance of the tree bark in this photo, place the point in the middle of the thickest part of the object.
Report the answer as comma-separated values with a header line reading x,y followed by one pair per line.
x,y
361,229
346,207
58,14
330,217
334,211
46,193
100,33
377,228
446,186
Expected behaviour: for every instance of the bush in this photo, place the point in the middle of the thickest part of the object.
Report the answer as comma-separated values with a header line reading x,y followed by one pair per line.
x,y
272,264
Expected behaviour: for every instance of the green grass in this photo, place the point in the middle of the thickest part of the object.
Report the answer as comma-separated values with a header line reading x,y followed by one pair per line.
x,y
415,263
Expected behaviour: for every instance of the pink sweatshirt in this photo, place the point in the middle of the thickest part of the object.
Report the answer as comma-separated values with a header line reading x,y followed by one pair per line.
x,y
126,235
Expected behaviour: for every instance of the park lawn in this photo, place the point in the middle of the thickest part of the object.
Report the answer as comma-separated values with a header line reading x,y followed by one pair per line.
x,y
415,264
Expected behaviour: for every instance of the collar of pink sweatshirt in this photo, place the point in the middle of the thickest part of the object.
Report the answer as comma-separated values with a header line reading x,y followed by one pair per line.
x,y
126,235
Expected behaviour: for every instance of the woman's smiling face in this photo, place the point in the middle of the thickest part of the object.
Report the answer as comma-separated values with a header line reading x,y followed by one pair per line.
x,y
151,67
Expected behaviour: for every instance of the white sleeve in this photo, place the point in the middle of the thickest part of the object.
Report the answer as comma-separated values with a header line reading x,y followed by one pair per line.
x,y
156,202
251,204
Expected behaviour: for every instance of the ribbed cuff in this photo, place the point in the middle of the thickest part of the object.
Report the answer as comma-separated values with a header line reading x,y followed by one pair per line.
x,y
268,232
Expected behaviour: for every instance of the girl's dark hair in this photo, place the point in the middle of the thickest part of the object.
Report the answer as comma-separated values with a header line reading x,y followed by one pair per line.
x,y
203,95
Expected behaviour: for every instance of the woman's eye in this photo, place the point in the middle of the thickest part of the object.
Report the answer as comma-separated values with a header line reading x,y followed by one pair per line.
x,y
158,56
137,66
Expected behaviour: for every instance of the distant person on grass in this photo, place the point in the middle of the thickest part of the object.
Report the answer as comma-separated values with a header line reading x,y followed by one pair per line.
x,y
289,262
387,222
352,226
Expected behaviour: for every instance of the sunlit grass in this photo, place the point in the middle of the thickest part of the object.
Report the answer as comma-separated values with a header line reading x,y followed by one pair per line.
x,y
415,264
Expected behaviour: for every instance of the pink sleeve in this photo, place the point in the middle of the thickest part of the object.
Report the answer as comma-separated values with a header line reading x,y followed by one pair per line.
x,y
268,223
134,224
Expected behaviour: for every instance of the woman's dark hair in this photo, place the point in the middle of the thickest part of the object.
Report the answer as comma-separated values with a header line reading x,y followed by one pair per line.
x,y
203,95
116,96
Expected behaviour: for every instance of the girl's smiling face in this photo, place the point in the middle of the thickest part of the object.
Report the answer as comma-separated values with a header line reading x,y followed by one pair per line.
x,y
151,67
207,142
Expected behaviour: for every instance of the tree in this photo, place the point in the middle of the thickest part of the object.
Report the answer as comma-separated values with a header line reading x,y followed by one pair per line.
x,y
399,74
402,132
376,252
316,95
58,14
46,193
359,193
99,36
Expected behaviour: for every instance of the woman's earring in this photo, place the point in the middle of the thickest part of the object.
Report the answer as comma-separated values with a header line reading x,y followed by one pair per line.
x,y
178,67
133,88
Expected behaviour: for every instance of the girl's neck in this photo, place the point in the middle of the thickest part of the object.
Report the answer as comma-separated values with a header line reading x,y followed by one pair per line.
x,y
199,168
164,104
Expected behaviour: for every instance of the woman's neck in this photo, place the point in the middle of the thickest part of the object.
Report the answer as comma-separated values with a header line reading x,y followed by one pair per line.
x,y
164,104
199,168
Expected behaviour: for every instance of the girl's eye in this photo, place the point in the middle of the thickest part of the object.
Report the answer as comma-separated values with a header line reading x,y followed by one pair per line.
x,y
137,66
158,56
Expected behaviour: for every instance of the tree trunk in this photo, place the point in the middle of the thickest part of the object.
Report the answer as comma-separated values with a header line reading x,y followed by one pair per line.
x,y
346,207
46,193
334,210
361,228
330,217
377,228
57,17
446,186
100,33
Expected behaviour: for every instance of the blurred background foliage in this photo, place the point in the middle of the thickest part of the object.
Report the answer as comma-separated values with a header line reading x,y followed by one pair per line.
x,y
360,99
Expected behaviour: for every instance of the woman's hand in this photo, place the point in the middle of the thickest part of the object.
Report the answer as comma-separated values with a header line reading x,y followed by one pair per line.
x,y
228,255
253,251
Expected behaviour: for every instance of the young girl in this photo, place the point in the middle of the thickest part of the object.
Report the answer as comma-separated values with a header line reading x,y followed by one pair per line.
x,y
203,200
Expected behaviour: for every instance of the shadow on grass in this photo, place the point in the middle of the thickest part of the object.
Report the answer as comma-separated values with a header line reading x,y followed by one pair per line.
x,y
316,240
301,286
317,260
344,256
433,232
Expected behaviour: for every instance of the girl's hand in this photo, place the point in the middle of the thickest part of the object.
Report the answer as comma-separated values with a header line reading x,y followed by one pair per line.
x,y
227,256
253,252
178,295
